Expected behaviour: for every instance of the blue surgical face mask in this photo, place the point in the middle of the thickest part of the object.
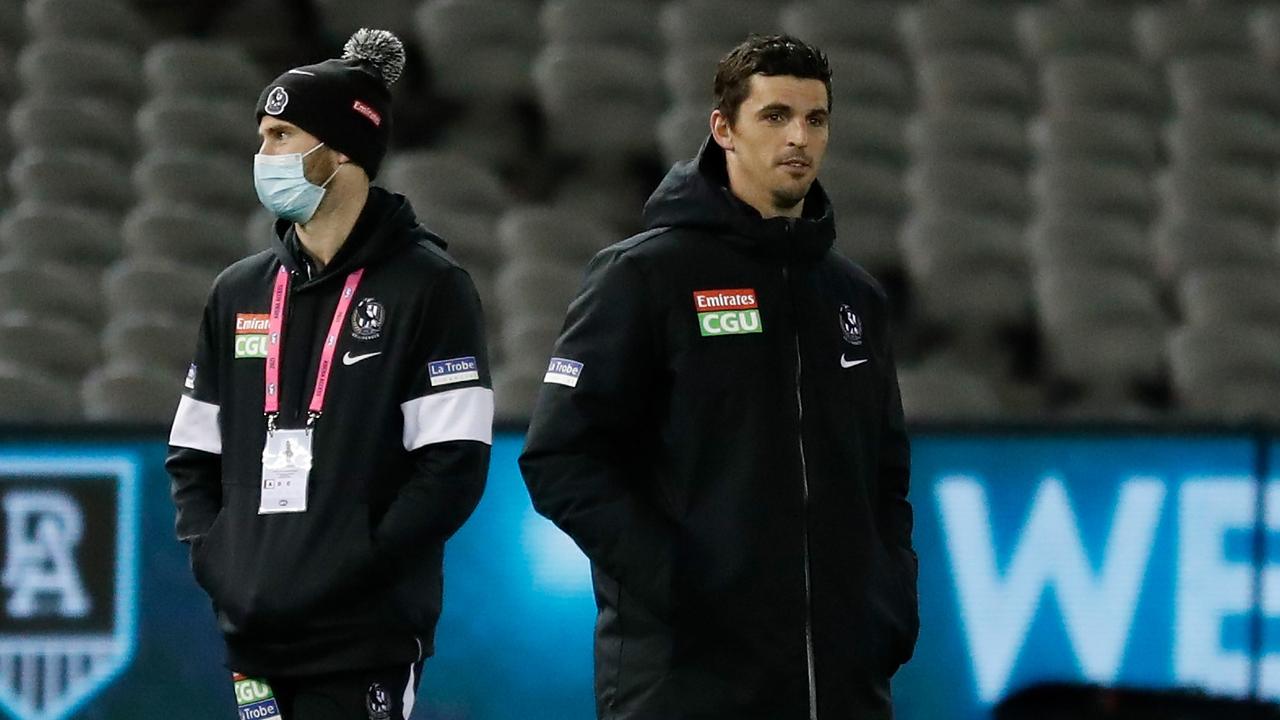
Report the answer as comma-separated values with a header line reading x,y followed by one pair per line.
x,y
283,187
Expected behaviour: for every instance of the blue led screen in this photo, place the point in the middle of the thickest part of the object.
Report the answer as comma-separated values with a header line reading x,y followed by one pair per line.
x,y
1126,557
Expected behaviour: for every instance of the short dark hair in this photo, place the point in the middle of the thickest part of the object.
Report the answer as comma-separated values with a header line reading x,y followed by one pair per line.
x,y
766,55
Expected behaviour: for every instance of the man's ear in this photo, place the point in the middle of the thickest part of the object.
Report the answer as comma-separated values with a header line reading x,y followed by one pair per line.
x,y
721,130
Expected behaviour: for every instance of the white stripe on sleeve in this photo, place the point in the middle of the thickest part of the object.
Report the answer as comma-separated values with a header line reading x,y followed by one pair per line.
x,y
195,426
462,414
406,701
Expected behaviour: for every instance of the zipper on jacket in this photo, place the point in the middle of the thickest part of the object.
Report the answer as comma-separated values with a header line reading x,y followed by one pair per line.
x,y
804,484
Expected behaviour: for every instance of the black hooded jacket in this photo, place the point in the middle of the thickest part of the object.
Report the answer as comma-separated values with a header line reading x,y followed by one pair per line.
x,y
400,452
721,433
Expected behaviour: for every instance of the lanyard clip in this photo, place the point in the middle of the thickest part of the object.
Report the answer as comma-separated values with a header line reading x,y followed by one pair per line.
x,y
311,420
271,423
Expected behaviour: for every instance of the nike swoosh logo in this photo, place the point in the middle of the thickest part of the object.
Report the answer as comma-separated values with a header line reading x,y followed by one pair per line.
x,y
850,363
349,359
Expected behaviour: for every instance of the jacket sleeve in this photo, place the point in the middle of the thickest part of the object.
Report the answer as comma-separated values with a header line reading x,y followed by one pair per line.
x,y
895,482
585,460
194,461
448,422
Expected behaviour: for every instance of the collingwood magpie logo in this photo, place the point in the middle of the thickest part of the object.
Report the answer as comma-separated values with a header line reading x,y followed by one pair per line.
x,y
68,583
367,319
377,703
850,325
276,101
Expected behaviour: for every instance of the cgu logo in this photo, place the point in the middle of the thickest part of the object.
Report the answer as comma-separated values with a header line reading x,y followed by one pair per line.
x,y
251,346
732,322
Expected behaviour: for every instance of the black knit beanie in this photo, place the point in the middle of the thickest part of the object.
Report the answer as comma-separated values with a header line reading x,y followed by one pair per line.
x,y
345,102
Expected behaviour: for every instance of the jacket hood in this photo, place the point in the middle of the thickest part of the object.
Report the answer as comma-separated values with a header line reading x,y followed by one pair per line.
x,y
695,194
386,224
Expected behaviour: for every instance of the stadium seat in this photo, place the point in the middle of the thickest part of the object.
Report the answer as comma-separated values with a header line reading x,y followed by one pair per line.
x,y
60,348
126,394
71,178
259,230
1103,329
1188,244
860,79
975,187
1219,189
49,290
681,131
969,271
81,69
615,198
540,232
862,185
202,179
1084,239
1070,188
33,397
1060,30
68,123
947,81
983,135
687,23
39,231
535,287
1204,138
202,69
931,28
689,75
472,237
1167,32
184,234
611,23
870,239
198,124
600,102
1264,26
868,25
146,286
111,21
868,132
1227,296
13,26
1219,84
1226,372
342,18
149,341
8,71
479,50
439,182
1098,137
1100,82
939,393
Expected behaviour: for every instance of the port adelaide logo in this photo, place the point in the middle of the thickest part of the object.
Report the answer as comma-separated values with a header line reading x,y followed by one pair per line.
x,y
68,609
368,319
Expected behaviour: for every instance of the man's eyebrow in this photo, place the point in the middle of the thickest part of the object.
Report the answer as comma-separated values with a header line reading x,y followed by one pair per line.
x,y
273,127
775,107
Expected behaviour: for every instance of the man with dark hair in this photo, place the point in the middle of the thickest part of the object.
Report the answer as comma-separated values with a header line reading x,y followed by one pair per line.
x,y
336,423
720,431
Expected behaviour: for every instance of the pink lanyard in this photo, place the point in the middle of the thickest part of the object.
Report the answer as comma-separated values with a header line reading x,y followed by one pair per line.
x,y
275,330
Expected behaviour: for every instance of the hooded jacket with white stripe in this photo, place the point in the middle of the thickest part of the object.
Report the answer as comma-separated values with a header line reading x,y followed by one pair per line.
x,y
400,452
723,437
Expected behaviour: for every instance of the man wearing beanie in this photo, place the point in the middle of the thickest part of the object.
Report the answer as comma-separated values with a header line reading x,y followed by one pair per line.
x,y
335,427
